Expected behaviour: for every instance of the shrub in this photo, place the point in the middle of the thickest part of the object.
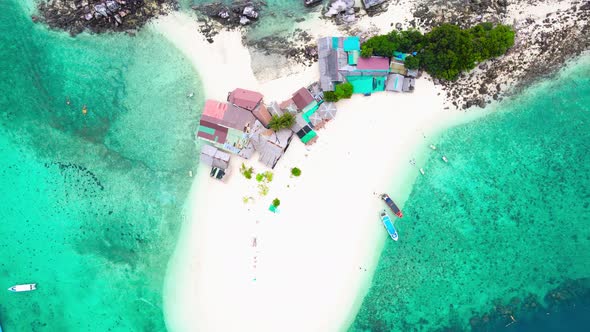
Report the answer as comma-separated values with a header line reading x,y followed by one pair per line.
x,y
246,171
263,189
284,121
330,96
276,202
268,176
295,171
343,90
259,177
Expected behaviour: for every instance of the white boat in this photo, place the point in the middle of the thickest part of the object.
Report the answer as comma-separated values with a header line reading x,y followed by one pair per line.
x,y
432,147
23,288
445,159
422,171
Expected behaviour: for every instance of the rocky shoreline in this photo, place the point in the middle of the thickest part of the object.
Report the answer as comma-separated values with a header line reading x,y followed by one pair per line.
x,y
541,47
542,44
100,16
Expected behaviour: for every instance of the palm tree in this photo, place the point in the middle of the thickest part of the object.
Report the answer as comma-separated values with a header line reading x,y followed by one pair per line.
x,y
277,123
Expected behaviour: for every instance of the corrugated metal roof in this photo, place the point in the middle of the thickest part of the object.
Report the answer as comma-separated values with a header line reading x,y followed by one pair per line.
x,y
247,99
352,44
302,98
394,83
214,108
218,135
262,114
373,63
237,118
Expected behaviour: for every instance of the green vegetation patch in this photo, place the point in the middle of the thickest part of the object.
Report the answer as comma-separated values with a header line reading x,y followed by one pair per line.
x,y
295,171
284,121
343,90
447,50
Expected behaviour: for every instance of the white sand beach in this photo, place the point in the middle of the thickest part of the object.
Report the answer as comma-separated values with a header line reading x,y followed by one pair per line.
x,y
313,261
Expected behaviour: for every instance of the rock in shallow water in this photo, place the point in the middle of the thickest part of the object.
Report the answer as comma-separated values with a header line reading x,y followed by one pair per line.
x,y
99,16
244,20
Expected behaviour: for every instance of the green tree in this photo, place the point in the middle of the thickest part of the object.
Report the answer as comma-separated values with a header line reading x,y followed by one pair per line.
x,y
295,171
410,41
276,202
448,51
276,123
330,96
412,62
343,90
381,45
366,51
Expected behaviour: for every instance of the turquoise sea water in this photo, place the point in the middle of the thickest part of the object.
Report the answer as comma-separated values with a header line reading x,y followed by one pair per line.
x,y
90,204
500,230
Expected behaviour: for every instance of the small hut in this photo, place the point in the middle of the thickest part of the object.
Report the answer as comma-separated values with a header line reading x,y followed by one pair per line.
x,y
214,157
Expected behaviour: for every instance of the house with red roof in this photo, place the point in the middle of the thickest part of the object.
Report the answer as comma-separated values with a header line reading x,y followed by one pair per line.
x,y
303,99
226,126
251,101
240,126
377,64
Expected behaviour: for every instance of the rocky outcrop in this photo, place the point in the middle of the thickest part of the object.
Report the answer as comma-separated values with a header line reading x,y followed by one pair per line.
x,y
99,16
375,7
238,13
311,3
542,46
299,47
342,11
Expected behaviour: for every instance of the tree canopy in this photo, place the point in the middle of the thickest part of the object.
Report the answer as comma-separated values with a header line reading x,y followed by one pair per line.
x,y
446,50
284,121
342,90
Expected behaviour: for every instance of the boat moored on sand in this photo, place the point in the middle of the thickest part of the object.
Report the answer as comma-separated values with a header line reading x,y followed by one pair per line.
x,y
23,288
392,205
388,225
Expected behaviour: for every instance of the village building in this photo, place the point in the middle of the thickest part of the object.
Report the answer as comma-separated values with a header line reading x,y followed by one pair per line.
x,y
226,127
289,106
240,127
368,75
303,100
270,145
409,84
395,82
217,159
398,67
412,73
251,101
275,109
304,130
332,57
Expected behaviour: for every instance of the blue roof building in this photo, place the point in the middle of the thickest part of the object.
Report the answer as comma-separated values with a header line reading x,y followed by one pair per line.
x,y
352,44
